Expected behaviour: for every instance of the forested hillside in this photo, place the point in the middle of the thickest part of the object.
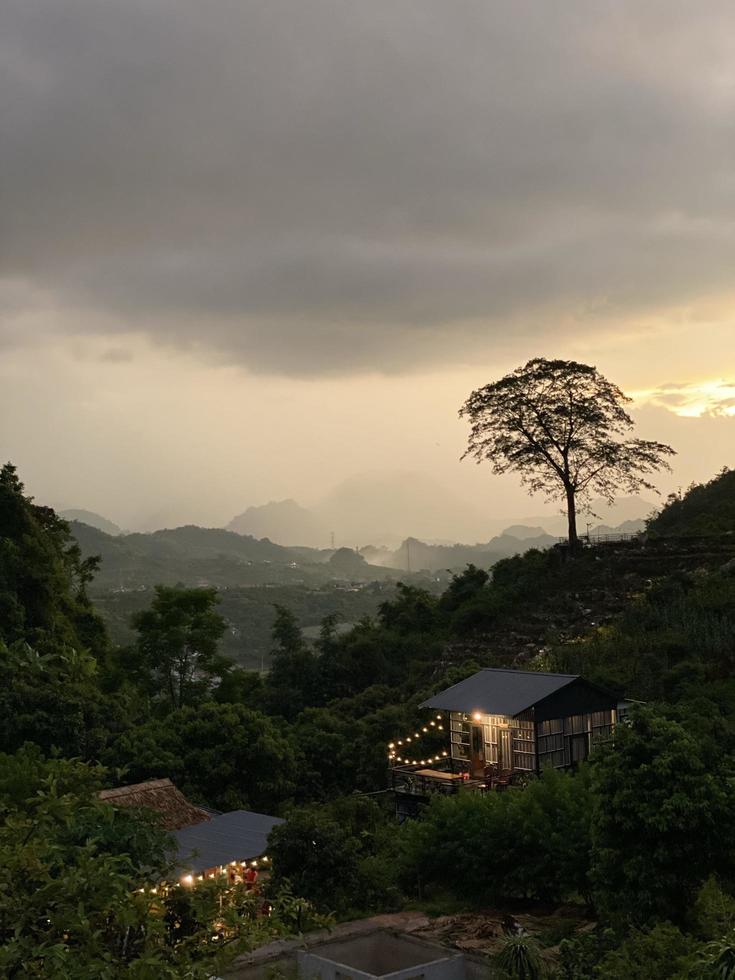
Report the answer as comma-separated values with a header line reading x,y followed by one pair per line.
x,y
705,509
634,844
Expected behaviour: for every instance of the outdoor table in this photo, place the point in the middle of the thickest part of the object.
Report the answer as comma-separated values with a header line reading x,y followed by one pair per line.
x,y
438,774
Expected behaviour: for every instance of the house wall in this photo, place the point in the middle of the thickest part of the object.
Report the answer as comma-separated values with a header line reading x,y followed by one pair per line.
x,y
560,741
521,732
564,741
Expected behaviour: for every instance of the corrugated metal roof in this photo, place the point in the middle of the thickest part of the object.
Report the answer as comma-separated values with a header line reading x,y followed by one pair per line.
x,y
237,836
499,692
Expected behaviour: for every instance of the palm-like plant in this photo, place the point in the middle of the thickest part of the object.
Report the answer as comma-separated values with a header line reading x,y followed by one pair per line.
x,y
520,958
716,961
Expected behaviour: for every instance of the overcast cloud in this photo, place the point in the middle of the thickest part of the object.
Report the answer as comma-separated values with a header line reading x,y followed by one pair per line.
x,y
250,248
307,186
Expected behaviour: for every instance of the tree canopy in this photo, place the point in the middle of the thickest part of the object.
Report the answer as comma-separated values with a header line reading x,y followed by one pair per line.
x,y
178,638
564,429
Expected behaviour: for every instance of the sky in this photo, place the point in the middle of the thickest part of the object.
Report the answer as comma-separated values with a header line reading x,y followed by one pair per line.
x,y
252,248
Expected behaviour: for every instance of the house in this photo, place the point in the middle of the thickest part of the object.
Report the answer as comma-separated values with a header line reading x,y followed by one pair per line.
x,y
505,724
226,842
207,842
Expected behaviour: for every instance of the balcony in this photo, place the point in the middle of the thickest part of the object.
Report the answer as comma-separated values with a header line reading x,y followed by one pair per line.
x,y
442,778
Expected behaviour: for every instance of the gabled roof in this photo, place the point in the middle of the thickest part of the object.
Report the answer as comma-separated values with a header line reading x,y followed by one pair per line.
x,y
160,795
499,692
237,836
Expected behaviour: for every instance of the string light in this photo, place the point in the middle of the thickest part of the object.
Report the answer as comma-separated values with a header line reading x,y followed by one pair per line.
x,y
395,756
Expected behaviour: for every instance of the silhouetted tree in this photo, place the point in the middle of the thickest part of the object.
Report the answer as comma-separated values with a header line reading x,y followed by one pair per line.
x,y
293,681
178,638
562,426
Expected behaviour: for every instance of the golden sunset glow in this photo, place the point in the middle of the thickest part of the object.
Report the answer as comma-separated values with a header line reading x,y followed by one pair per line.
x,y
695,400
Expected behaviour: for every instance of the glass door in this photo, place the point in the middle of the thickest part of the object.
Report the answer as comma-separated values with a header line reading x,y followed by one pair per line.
x,y
505,749
477,752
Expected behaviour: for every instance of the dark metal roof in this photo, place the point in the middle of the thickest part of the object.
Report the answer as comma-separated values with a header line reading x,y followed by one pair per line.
x,y
236,836
499,692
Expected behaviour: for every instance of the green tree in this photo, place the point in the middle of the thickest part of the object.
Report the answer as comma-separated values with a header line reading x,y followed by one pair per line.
x,y
222,755
659,806
713,912
660,953
529,843
293,682
564,429
339,856
178,638
43,578
54,700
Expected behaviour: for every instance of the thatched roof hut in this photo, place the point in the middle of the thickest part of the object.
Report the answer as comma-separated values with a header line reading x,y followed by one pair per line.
x,y
162,796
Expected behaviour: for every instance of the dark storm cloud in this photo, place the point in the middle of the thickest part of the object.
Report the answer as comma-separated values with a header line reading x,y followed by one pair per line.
x,y
307,185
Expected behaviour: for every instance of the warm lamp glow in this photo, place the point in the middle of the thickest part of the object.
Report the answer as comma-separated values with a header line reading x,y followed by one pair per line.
x,y
477,716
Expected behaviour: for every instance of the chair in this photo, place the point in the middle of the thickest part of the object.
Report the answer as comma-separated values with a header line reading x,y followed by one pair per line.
x,y
490,775
503,780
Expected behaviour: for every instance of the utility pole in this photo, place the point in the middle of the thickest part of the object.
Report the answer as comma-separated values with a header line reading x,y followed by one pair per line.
x,y
408,554
332,540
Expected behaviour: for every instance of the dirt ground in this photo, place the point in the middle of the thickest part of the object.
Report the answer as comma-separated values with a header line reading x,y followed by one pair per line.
x,y
483,932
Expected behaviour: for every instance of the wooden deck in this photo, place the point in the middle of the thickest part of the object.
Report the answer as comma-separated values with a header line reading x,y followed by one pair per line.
x,y
420,781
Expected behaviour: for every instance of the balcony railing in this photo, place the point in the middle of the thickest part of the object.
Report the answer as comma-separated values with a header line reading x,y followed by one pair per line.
x,y
442,779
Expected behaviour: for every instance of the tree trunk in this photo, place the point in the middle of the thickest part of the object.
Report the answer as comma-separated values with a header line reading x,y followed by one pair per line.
x,y
572,519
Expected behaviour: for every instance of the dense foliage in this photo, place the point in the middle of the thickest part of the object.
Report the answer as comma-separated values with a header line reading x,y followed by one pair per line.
x,y
707,508
80,892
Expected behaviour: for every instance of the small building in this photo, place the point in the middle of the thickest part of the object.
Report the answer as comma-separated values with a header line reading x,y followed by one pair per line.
x,y
161,796
383,946
381,954
207,842
507,723
224,842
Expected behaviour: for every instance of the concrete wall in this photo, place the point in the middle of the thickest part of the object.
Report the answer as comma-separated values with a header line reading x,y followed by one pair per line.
x,y
279,958
311,967
380,954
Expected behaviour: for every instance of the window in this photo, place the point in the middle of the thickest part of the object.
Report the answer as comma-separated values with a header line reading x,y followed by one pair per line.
x,y
460,736
551,744
524,750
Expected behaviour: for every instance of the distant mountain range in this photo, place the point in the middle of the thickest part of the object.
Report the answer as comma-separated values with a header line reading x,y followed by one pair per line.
x,y
92,520
376,508
283,521
193,556
383,509
214,556
381,512
414,555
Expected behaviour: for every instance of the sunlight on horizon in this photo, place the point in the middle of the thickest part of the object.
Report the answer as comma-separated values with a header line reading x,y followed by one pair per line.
x,y
703,398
